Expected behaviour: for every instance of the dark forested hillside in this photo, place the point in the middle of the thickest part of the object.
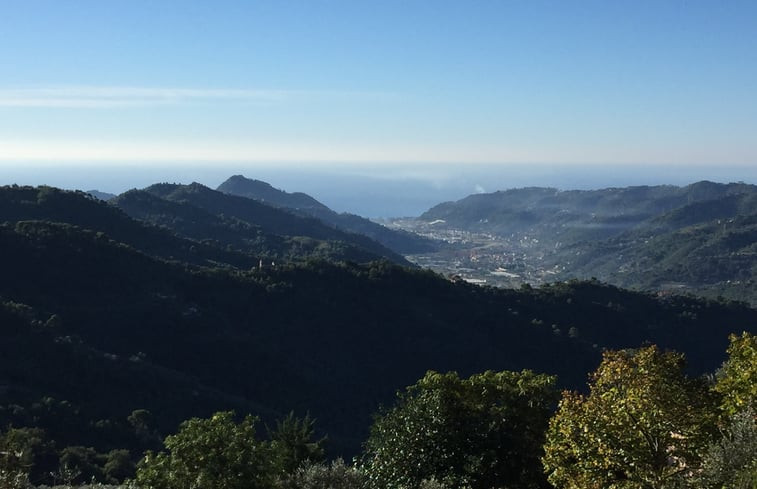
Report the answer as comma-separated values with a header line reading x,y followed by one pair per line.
x,y
109,329
85,211
201,213
305,205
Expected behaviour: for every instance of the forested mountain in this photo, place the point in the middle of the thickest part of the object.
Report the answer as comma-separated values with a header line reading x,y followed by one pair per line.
x,y
264,192
577,215
700,238
99,329
714,257
101,195
305,205
81,209
228,222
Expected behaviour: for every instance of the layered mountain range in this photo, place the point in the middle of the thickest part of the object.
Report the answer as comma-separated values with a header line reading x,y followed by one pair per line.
x,y
156,301
304,205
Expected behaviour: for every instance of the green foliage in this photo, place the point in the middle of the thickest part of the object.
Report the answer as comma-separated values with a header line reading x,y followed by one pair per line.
x,y
737,379
84,463
731,461
141,421
336,475
643,425
118,466
293,443
25,454
213,453
481,432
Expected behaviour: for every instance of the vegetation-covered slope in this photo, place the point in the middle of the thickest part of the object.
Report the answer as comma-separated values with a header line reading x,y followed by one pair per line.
x,y
305,205
700,238
80,209
575,215
202,213
125,331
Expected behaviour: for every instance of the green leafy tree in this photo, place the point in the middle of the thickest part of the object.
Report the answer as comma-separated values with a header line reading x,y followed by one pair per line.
x,y
14,472
141,421
214,453
293,443
85,462
643,425
25,454
737,379
731,461
482,432
118,466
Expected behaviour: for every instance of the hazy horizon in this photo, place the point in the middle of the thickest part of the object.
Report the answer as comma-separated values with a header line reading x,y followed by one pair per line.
x,y
388,190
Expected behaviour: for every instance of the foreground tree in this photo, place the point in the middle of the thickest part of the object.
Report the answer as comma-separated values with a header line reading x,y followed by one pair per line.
x,y
482,432
644,425
737,379
25,455
293,443
214,453
731,461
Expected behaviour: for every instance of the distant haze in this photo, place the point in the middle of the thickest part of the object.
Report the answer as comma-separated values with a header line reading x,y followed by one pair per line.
x,y
380,191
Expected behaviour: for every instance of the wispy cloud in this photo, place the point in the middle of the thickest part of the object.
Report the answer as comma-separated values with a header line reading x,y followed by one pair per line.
x,y
105,97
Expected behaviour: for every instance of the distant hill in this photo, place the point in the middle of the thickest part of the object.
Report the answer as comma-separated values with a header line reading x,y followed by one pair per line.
x,y
575,215
101,195
264,192
204,214
302,204
98,329
699,238
708,248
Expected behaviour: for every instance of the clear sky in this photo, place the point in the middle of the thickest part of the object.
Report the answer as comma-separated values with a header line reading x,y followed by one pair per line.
x,y
561,82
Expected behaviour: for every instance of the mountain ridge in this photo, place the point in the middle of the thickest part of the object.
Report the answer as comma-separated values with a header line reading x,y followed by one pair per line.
x,y
305,205
205,214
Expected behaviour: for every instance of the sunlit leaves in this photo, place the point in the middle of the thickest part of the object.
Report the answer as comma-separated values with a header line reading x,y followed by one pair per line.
x,y
214,453
643,425
737,380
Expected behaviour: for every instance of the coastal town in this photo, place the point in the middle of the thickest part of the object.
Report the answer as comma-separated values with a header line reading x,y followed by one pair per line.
x,y
480,258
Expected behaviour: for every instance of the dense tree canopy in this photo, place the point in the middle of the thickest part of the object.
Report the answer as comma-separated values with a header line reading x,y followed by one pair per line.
x,y
294,443
730,461
643,425
214,453
737,380
481,432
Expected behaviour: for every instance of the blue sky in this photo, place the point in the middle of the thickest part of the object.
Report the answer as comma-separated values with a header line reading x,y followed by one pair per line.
x,y
351,82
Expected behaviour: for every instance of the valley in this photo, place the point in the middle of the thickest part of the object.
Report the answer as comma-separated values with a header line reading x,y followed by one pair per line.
x,y
697,239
